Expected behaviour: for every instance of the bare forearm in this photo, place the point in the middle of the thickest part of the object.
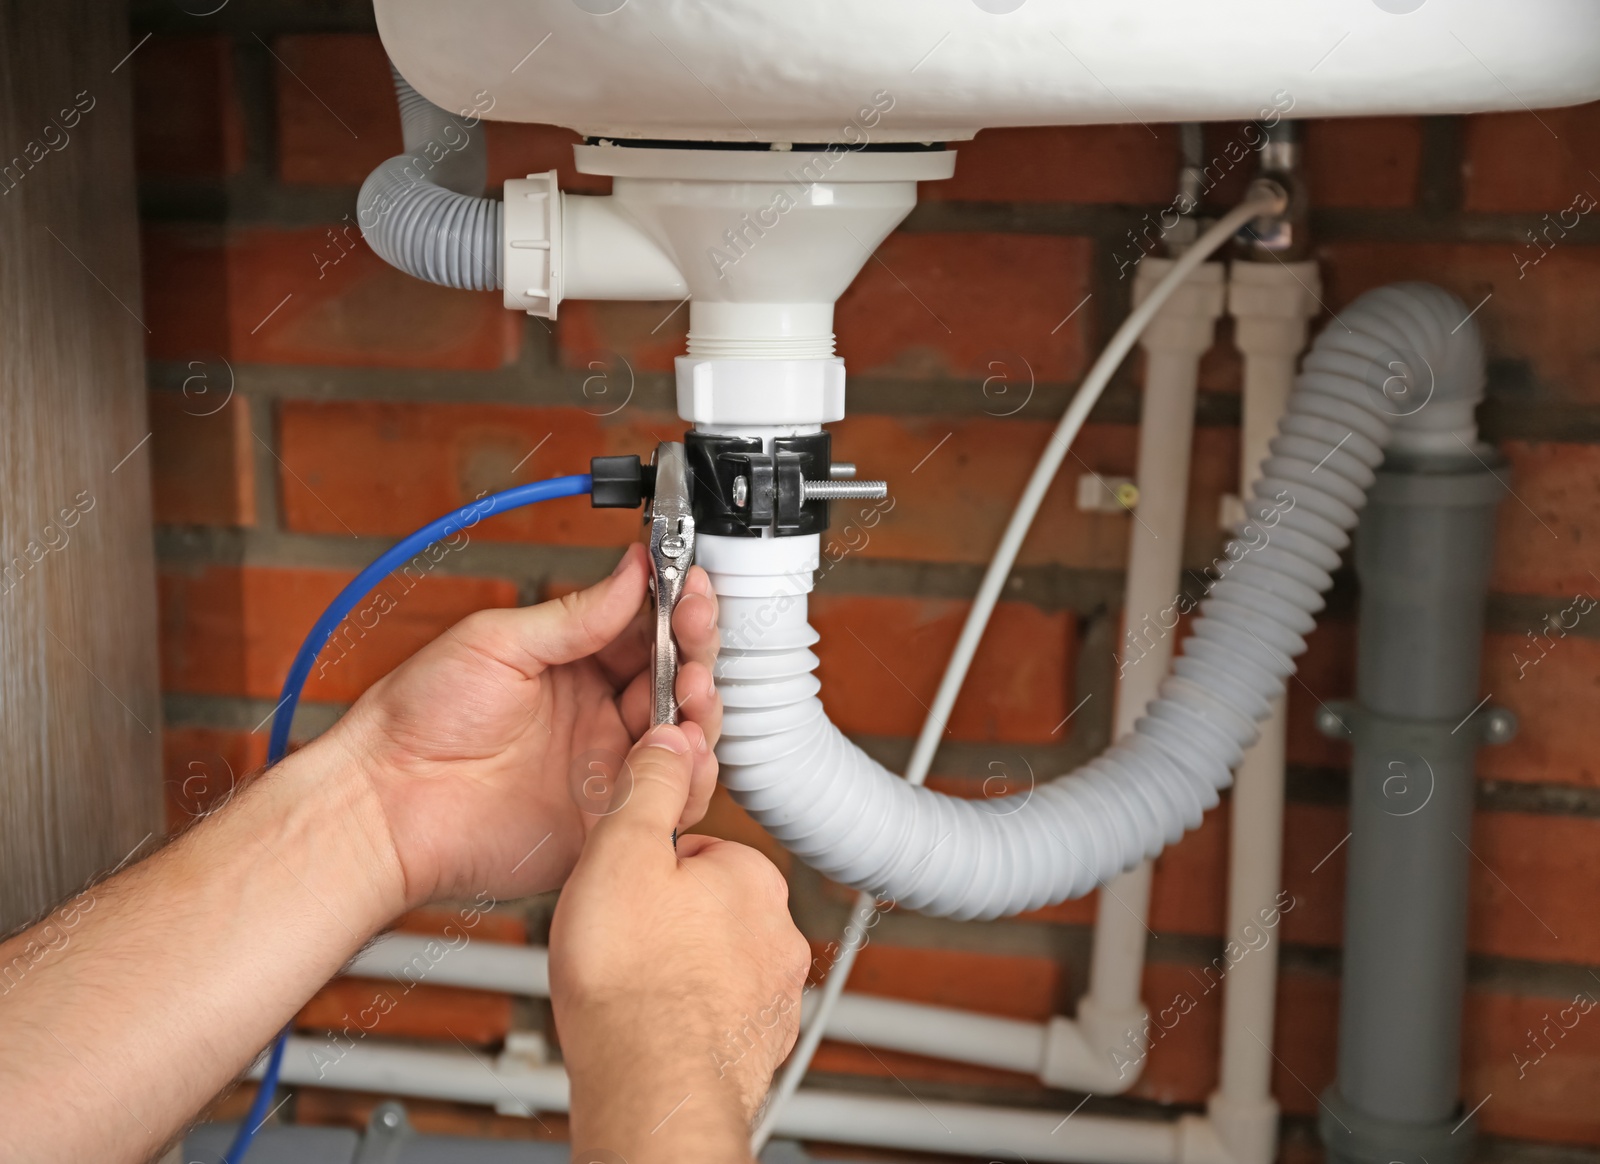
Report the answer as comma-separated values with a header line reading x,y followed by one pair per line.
x,y
653,1096
122,1015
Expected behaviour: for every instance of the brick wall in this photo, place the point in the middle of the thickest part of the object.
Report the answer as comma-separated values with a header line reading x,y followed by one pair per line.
x,y
310,403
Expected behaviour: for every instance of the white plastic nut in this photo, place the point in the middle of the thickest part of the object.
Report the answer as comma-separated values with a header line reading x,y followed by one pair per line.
x,y
760,391
532,260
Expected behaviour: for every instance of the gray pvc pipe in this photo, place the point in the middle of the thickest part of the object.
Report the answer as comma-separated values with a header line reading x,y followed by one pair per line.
x,y
1422,554
422,211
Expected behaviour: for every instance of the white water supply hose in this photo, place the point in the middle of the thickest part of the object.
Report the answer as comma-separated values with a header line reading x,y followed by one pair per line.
x,y
1394,353
422,211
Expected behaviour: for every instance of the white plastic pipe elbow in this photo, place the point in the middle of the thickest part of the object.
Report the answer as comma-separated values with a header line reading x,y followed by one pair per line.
x,y
577,246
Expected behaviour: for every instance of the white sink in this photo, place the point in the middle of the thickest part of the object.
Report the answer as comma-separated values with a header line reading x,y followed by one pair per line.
x,y
940,70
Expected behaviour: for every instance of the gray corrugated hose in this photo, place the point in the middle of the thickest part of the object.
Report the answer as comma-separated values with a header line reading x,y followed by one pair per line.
x,y
422,211
1398,361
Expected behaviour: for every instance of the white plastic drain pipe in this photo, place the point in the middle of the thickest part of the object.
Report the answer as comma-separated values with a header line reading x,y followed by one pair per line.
x,y
1271,304
1173,345
848,817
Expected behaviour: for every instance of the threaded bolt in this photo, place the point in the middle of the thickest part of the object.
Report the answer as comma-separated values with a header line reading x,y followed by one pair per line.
x,y
843,490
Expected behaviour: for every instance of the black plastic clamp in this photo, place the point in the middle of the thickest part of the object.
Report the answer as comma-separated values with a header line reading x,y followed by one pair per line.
x,y
741,490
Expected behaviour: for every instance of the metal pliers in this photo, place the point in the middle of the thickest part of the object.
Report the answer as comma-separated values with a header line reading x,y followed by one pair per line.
x,y
671,554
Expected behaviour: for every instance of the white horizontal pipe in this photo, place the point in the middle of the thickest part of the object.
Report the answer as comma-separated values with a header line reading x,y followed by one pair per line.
x,y
956,1128
389,1069
480,964
939,1031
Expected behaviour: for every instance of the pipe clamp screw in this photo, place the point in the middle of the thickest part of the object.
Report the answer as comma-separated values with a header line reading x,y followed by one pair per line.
x,y
1499,726
1333,721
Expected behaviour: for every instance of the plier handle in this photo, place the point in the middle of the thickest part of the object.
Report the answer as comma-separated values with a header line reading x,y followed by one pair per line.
x,y
671,555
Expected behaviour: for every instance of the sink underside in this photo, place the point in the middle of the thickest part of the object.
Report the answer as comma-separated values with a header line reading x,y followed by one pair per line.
x,y
940,70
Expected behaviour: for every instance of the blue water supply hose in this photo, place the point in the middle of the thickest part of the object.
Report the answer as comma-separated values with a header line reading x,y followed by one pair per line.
x,y
338,610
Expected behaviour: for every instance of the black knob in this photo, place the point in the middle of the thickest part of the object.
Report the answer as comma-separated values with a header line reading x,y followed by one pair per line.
x,y
620,482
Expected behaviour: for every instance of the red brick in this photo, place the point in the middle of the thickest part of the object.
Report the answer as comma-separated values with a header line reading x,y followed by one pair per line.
x,y
234,631
882,659
1189,892
1011,986
337,117
1531,162
202,766
405,1010
1535,879
1366,162
1184,1060
1325,673
1548,528
185,277
954,305
452,454
187,120
350,72
1222,367
202,460
1315,840
259,295
615,340
1539,316
1069,163
1553,696
517,149
1548,1098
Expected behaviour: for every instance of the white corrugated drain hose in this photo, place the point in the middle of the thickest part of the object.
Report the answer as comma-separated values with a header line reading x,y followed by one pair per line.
x,y
422,210
1400,356
859,824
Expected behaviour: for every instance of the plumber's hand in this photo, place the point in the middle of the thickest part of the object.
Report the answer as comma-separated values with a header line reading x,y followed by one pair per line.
x,y
675,976
495,747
